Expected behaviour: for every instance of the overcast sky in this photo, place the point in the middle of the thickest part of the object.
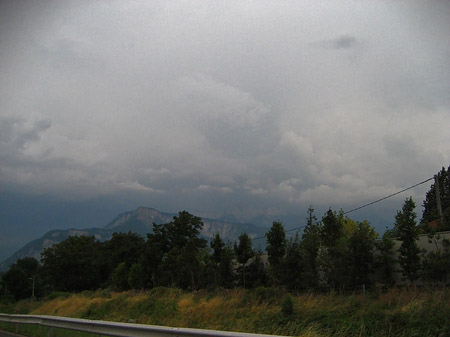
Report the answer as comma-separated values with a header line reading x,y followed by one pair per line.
x,y
223,107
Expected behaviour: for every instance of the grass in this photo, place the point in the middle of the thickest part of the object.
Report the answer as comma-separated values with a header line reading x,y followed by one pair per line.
x,y
399,312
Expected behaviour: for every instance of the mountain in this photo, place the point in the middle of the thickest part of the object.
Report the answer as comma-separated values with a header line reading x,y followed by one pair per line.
x,y
139,221
35,247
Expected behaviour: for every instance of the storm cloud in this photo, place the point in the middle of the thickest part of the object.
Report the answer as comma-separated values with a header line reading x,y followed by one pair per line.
x,y
224,107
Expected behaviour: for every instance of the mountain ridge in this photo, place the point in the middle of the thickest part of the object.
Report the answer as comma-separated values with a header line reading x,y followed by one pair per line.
x,y
138,221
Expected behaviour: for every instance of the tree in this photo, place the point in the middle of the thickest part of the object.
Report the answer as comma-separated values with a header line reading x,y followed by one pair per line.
x,y
385,260
155,248
122,248
332,228
222,261
333,252
73,264
256,275
406,227
436,264
244,252
136,276
22,279
310,244
295,264
361,256
120,277
276,249
430,216
182,248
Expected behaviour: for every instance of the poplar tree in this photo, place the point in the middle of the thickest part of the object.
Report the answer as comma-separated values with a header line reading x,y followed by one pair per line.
x,y
406,227
244,252
276,250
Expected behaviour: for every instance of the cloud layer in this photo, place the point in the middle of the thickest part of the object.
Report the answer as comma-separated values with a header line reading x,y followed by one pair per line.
x,y
265,106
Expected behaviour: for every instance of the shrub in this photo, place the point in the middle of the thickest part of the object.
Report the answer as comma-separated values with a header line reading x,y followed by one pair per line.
x,y
287,306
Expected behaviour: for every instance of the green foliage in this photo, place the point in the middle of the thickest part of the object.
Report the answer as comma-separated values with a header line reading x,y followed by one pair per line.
x,y
310,243
73,264
123,248
276,249
406,227
256,275
332,257
332,228
222,262
398,312
287,306
182,249
120,277
294,277
430,211
385,260
436,264
361,258
244,251
22,280
136,276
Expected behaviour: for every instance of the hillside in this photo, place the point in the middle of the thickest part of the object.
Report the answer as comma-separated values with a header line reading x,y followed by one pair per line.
x,y
139,221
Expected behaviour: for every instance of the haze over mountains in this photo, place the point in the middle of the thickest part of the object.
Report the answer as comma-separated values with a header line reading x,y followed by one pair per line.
x,y
139,221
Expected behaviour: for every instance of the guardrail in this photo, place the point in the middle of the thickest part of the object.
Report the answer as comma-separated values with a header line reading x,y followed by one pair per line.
x,y
105,328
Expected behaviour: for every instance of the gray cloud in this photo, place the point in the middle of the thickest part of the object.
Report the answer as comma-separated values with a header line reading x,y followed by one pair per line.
x,y
229,108
340,42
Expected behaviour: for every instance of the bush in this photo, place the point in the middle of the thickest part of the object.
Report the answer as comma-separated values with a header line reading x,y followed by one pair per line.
x,y
287,306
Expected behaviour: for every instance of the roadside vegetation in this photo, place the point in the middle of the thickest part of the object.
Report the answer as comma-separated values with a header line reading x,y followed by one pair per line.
x,y
398,312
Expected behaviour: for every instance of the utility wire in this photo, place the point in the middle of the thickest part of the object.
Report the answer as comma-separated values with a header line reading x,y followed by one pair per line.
x,y
365,205
390,195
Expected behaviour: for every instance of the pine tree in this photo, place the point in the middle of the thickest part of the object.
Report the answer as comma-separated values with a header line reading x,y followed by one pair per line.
x,y
406,227
244,252
310,244
276,249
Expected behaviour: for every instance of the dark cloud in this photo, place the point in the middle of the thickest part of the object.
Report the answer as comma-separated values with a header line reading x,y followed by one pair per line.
x,y
225,110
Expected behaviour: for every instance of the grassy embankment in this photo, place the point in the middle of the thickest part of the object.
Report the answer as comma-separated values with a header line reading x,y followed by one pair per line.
x,y
400,312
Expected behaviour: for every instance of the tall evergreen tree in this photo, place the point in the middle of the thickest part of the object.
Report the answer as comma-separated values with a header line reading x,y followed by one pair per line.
x,y
222,259
406,227
276,250
294,274
244,252
333,252
310,244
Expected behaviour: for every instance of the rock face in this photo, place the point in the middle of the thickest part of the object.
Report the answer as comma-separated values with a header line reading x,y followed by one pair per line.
x,y
139,221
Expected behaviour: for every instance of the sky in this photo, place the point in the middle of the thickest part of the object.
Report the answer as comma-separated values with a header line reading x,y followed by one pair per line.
x,y
243,110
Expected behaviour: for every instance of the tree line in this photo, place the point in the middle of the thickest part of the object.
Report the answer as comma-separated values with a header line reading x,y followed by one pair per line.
x,y
336,252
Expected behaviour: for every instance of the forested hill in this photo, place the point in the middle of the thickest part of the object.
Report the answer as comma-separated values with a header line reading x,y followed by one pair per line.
x,y
139,221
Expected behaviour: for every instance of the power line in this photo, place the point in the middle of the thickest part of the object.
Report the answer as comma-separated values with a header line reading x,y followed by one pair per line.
x,y
287,231
365,205
390,195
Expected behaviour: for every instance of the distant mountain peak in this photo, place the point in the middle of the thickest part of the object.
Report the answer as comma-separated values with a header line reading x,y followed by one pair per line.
x,y
138,221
